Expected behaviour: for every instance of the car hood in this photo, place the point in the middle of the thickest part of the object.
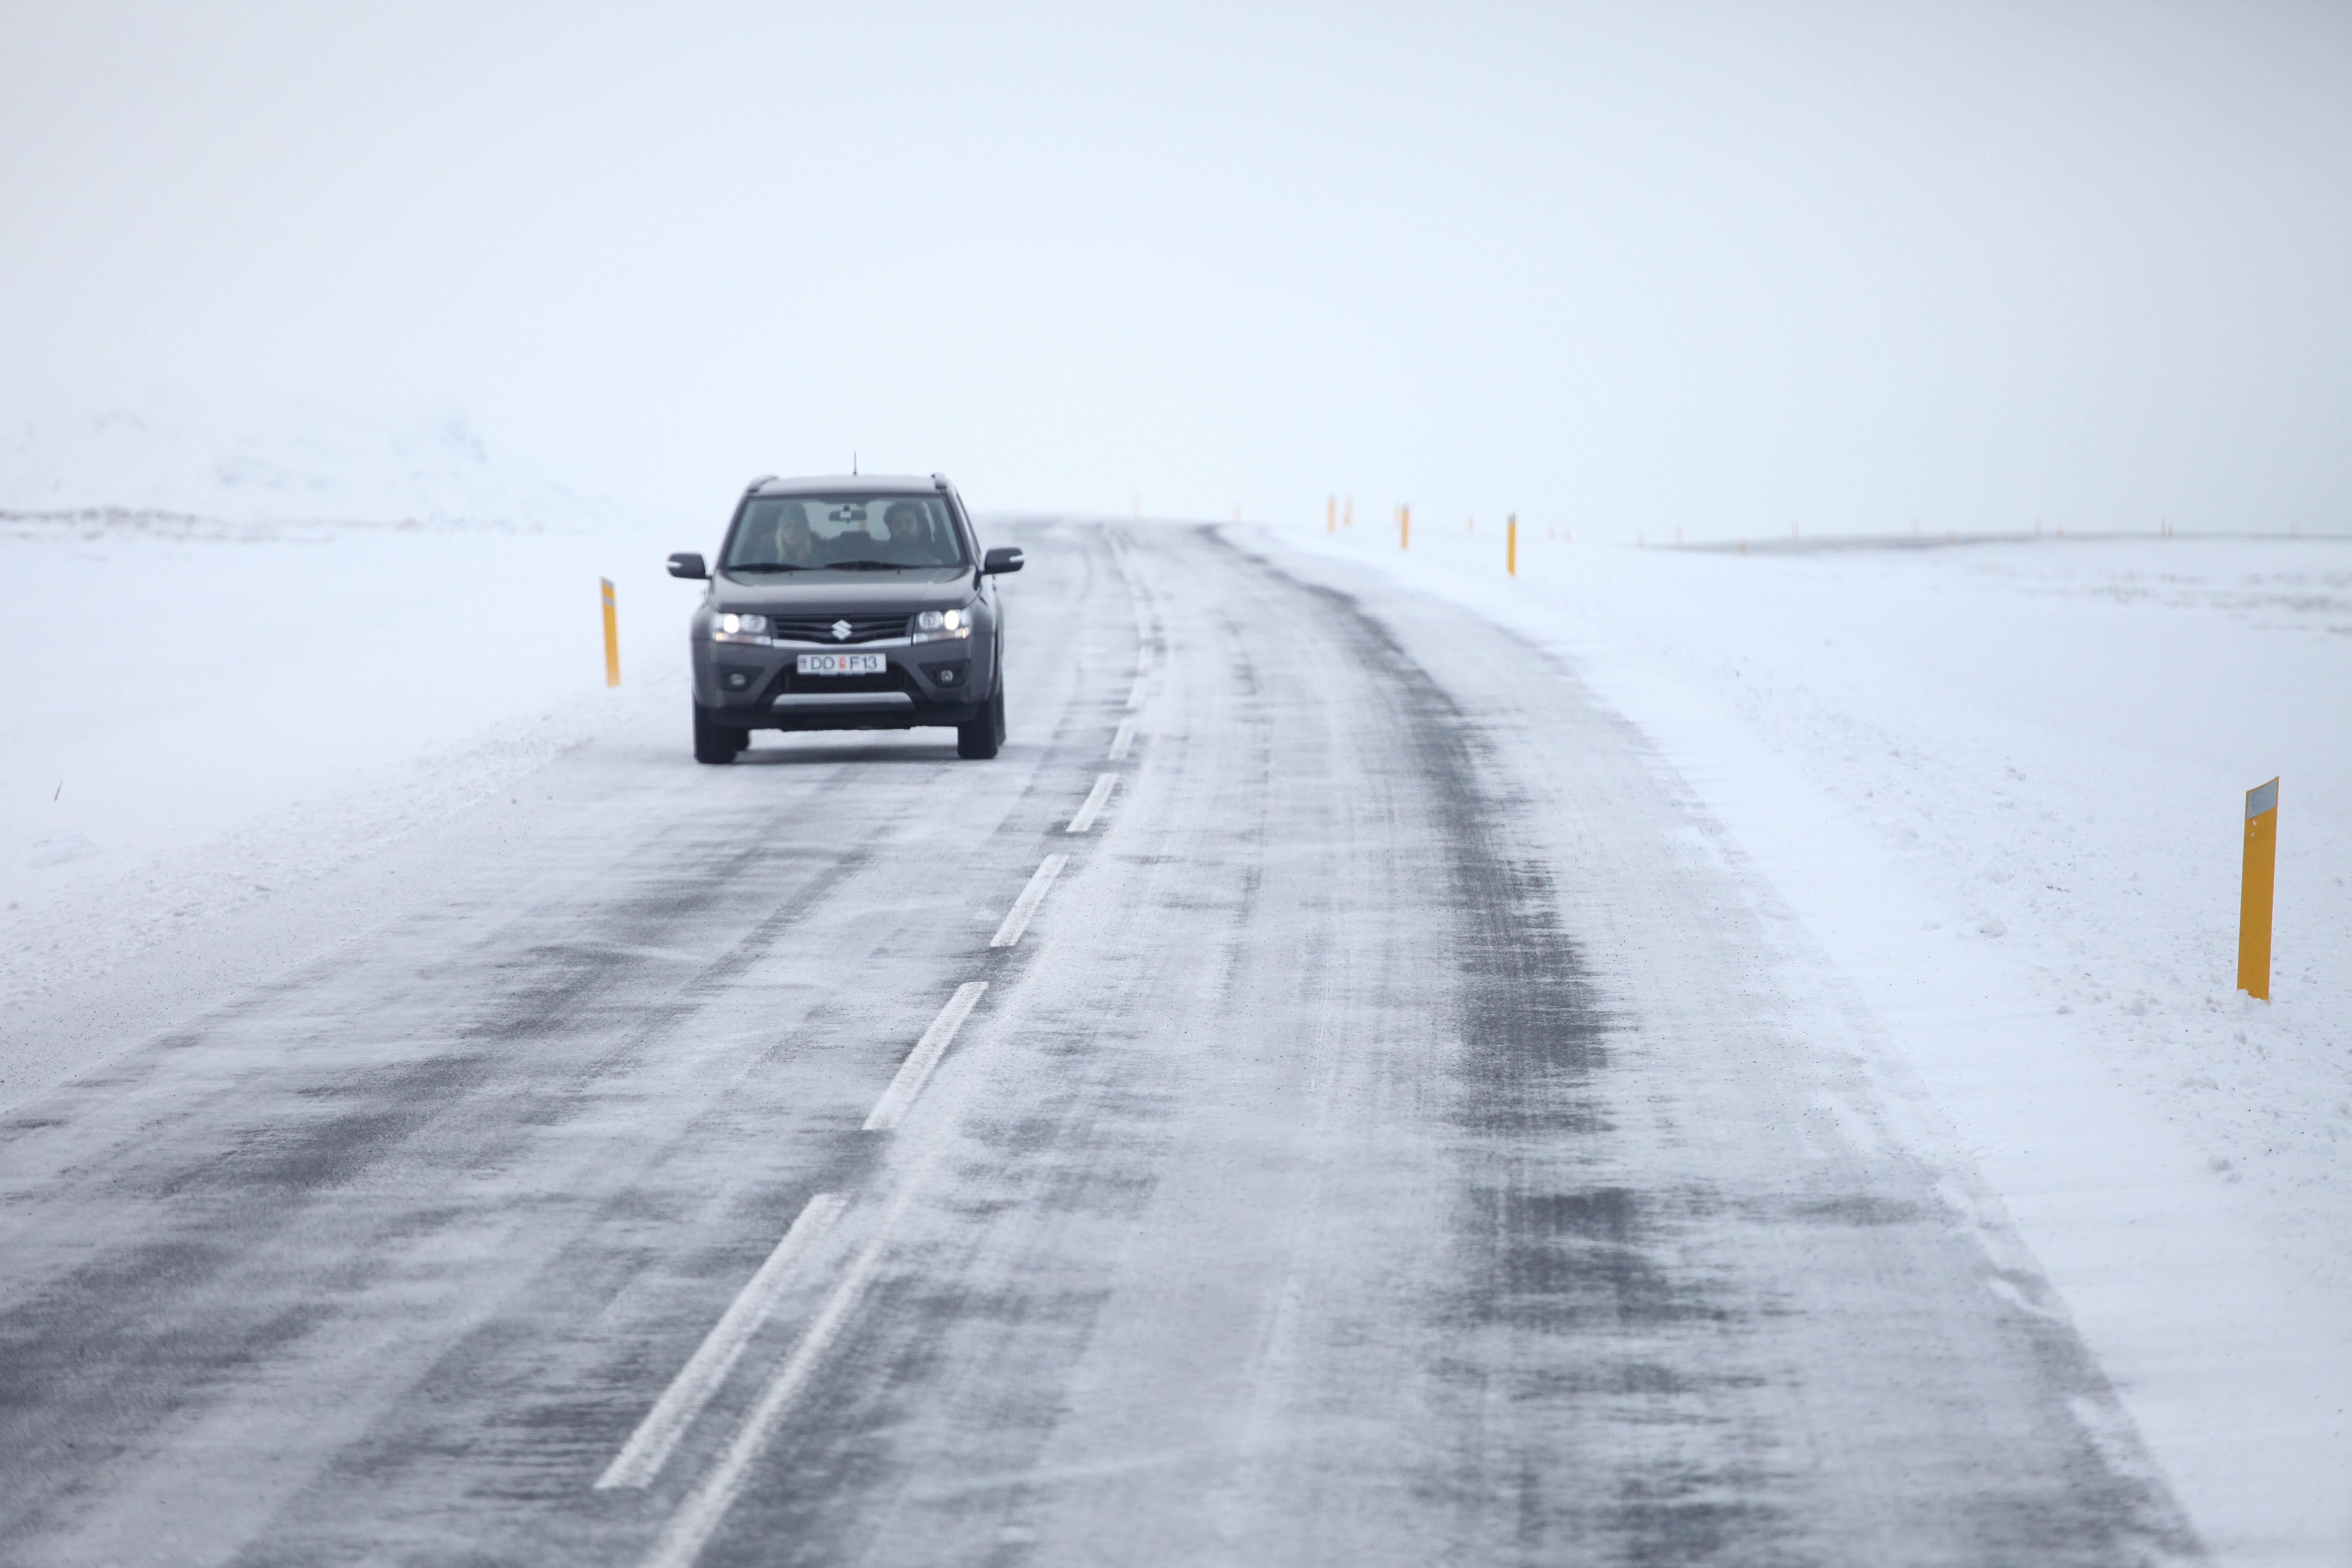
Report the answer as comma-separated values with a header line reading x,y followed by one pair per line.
x,y
844,592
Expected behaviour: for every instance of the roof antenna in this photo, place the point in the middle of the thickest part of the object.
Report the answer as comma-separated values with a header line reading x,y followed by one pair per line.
x,y
852,461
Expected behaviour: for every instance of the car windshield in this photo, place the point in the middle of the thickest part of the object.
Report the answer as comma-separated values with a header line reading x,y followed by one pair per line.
x,y
843,533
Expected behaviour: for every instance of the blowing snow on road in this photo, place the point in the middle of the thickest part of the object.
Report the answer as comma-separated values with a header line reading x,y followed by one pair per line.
x,y
1566,872
1329,1092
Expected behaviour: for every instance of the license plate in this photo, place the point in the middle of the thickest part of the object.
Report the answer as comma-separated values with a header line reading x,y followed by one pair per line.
x,y
843,664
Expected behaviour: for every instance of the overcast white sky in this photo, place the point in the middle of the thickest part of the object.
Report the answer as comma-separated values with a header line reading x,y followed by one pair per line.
x,y
1716,265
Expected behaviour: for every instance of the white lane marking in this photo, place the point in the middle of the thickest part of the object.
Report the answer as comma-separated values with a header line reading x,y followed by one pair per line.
x,y
916,1071
1135,693
1096,798
1016,920
648,1448
1122,739
689,1529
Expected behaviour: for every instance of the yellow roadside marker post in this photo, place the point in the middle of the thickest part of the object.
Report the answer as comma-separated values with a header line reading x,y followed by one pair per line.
x,y
1404,527
1348,517
611,637
1511,545
1330,514
2254,893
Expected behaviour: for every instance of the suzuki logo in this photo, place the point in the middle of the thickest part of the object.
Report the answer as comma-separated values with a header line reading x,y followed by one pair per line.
x,y
841,630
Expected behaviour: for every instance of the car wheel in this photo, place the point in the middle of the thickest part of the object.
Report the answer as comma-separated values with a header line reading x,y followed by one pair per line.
x,y
715,743
984,736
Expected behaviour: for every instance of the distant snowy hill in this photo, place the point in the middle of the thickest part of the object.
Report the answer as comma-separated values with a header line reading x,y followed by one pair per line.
x,y
300,463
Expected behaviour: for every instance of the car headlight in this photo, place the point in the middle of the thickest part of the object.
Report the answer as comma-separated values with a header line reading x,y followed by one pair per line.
x,y
937,626
733,624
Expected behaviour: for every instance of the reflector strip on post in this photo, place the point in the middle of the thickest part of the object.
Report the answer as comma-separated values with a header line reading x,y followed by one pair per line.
x,y
611,637
2254,895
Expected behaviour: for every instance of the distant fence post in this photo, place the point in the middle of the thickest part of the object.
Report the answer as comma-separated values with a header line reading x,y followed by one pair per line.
x,y
1511,545
611,637
2255,891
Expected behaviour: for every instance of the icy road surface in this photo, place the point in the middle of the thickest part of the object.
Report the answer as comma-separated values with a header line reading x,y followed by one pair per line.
x,y
1388,1132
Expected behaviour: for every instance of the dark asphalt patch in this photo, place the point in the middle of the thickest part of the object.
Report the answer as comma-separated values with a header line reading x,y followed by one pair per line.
x,y
1585,1268
1573,1270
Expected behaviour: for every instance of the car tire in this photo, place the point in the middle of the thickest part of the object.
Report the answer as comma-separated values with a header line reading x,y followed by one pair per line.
x,y
717,742
984,736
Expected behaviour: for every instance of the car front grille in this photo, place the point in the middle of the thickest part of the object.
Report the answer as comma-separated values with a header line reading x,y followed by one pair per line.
x,y
819,628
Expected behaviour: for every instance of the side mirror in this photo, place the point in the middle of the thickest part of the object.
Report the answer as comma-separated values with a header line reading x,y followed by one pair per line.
x,y
1003,558
686,564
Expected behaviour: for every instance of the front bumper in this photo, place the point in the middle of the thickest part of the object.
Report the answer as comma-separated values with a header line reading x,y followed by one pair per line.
x,y
756,684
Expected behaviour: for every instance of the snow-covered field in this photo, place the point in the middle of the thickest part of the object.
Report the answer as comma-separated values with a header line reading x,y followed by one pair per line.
x,y
1999,787
243,647
201,712
1994,789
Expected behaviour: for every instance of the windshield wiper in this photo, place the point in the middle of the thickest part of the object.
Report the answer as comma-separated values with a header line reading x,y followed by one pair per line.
x,y
867,566
769,566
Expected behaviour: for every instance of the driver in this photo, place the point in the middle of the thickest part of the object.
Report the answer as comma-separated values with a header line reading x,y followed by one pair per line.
x,y
905,520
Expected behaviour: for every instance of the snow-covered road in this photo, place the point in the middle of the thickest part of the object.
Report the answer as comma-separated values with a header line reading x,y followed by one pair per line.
x,y
1399,1134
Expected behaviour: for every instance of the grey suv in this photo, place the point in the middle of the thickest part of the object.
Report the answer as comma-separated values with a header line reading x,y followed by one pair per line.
x,y
858,603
